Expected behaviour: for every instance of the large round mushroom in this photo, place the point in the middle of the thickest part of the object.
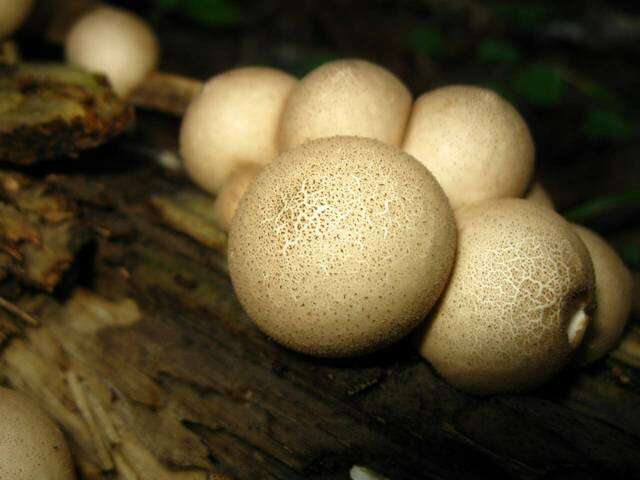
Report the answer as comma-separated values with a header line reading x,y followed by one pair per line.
x,y
473,141
341,246
115,42
518,303
614,286
346,97
31,445
232,122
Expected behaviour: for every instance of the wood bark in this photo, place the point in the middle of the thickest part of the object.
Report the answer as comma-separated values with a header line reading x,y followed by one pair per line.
x,y
147,361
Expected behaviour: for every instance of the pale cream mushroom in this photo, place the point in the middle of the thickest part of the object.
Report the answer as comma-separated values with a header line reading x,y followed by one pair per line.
x,y
473,141
346,97
341,246
115,42
518,303
233,121
31,445
614,286
230,194
537,194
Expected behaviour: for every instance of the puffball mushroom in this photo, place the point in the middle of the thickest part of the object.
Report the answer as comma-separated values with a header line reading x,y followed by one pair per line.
x,y
614,286
473,141
537,194
341,246
31,445
13,13
518,301
346,97
230,194
115,42
234,120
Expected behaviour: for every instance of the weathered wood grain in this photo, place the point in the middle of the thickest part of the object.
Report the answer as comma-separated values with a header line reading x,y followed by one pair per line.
x,y
150,365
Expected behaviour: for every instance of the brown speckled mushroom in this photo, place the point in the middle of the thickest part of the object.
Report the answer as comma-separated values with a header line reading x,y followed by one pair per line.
x,y
31,445
614,286
518,303
473,141
341,246
233,121
346,97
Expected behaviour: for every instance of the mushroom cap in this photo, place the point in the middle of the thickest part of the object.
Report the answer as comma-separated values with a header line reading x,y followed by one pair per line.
x,y
518,301
231,192
341,246
537,194
31,445
346,97
473,141
614,286
234,120
13,13
115,42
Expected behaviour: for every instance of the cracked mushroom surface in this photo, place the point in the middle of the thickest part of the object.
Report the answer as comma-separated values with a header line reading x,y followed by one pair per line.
x,y
31,445
518,303
341,246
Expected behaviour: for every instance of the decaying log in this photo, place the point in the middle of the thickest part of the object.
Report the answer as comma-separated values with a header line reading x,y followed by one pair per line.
x,y
50,110
40,232
154,372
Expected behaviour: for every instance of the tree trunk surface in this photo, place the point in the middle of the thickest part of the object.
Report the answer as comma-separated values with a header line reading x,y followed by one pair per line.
x,y
147,361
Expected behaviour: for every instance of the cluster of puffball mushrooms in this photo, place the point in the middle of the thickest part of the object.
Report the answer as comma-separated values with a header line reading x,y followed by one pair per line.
x,y
357,216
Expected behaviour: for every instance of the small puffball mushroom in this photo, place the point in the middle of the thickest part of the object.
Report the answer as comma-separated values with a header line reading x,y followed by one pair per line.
x,y
31,445
234,120
537,194
230,194
518,302
13,13
115,42
341,246
473,141
614,286
346,97
635,307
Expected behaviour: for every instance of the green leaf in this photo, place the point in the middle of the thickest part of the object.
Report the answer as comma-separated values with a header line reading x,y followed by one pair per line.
x,y
599,93
500,89
493,50
602,205
631,255
605,124
524,15
206,12
167,4
315,59
426,39
540,84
